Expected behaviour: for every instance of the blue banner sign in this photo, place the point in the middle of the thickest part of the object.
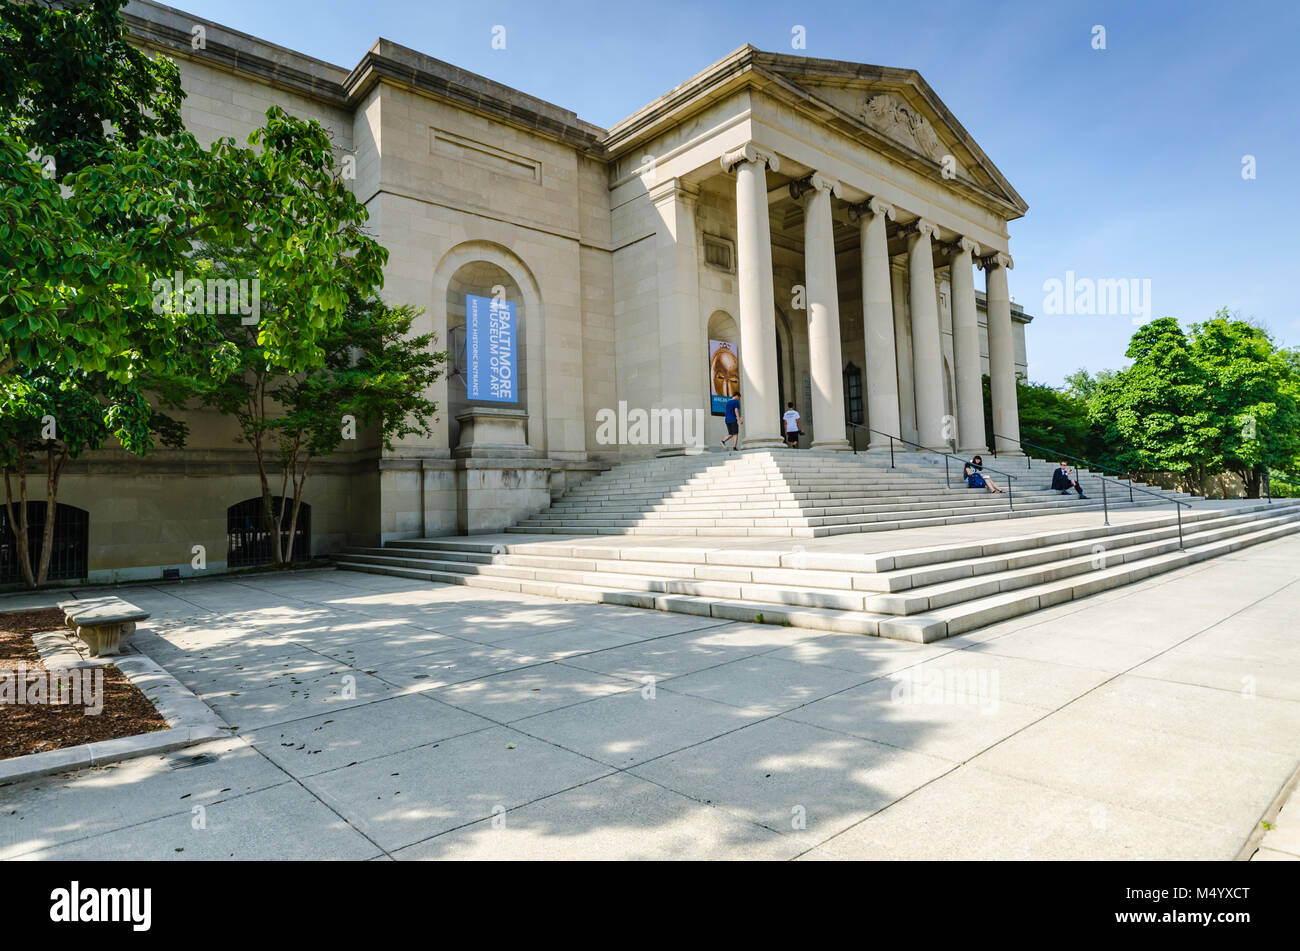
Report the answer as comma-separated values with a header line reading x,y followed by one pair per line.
x,y
490,350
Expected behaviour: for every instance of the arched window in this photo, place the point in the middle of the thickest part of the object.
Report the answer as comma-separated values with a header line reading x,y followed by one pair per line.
x,y
853,395
248,541
68,557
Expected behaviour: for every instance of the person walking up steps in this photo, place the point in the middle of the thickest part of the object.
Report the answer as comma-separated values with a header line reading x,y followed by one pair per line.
x,y
792,430
733,421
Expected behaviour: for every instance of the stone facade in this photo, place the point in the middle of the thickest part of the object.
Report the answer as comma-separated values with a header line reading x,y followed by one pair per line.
x,y
823,217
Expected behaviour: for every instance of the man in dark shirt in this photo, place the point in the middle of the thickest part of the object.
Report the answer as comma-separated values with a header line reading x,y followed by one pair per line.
x,y
733,421
1062,482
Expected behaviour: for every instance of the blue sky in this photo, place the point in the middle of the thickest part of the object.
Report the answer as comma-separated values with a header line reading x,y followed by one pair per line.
x,y
1130,157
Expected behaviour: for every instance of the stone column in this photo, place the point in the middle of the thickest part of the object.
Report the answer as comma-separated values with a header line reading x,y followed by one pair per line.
x,y
966,348
878,322
1002,353
903,352
682,357
758,383
927,354
823,315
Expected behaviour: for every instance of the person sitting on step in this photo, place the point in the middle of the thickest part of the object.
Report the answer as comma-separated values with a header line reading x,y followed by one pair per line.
x,y
1062,482
974,475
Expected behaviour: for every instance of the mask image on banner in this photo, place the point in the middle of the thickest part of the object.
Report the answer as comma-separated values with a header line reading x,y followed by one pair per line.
x,y
724,375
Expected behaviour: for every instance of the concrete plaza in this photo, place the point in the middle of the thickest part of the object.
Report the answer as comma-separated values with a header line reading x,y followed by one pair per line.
x,y
377,717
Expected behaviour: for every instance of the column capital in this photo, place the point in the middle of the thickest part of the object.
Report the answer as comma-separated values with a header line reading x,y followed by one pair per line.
x,y
814,182
996,259
673,188
963,245
872,206
750,152
920,228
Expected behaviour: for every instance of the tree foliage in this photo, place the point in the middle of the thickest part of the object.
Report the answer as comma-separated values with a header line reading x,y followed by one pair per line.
x,y
57,417
1219,398
374,376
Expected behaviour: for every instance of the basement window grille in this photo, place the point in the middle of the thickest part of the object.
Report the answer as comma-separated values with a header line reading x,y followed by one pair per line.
x,y
248,539
69,549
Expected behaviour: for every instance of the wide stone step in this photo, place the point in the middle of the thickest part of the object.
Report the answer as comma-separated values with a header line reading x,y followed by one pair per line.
x,y
971,615
811,506
810,610
860,514
804,588
880,565
730,530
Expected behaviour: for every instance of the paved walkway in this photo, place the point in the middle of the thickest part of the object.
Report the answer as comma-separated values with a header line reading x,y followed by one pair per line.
x,y
376,717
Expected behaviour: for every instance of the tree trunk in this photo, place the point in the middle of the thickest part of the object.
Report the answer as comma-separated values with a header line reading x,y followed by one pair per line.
x,y
19,525
268,504
297,505
52,473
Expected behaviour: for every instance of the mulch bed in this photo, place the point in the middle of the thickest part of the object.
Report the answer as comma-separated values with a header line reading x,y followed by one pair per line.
x,y
37,727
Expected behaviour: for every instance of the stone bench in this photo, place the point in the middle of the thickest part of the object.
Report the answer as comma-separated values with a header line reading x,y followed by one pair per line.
x,y
104,624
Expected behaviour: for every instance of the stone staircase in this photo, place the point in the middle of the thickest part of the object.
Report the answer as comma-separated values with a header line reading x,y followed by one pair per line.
x,y
917,594
801,494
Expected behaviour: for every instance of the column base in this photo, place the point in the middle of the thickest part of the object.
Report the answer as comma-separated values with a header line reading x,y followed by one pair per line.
x,y
972,450
761,442
837,445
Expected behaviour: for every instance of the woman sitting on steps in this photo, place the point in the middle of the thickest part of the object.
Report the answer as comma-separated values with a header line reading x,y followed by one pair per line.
x,y
975,478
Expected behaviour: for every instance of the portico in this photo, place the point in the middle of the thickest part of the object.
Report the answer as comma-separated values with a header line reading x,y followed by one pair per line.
x,y
872,228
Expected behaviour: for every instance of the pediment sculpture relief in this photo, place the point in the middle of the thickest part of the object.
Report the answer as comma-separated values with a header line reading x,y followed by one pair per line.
x,y
889,114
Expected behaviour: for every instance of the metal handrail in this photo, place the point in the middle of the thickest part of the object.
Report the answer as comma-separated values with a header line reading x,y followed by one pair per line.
x,y
1268,483
947,472
1102,478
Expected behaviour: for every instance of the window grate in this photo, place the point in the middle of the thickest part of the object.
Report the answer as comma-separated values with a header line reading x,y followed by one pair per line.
x,y
69,551
248,541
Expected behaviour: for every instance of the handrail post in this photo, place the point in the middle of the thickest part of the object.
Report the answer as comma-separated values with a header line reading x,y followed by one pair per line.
x,y
947,473
1178,507
1130,487
1105,505
891,452
1011,491
1268,484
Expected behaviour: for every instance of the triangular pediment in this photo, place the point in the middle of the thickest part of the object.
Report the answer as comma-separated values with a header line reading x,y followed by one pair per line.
x,y
894,109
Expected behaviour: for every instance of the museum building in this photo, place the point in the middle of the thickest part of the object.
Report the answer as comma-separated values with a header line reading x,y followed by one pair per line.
x,y
796,230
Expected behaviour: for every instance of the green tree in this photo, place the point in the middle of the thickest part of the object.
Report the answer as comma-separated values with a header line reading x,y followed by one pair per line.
x,y
76,260
1155,412
59,417
1083,385
1253,397
374,375
74,87
1048,418
1219,399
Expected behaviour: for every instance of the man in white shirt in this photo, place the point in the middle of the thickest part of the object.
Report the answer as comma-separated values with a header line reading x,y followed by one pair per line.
x,y
792,431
